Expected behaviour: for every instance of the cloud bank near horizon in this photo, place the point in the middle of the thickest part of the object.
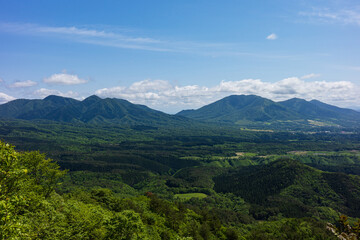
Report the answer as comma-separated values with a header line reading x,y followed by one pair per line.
x,y
168,97
163,95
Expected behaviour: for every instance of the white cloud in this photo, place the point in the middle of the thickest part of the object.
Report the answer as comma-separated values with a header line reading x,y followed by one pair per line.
x,y
311,75
150,85
163,95
64,79
1,80
22,84
44,92
5,98
272,36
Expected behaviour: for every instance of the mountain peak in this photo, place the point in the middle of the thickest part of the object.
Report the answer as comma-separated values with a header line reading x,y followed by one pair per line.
x,y
53,98
92,98
297,100
243,100
243,96
59,100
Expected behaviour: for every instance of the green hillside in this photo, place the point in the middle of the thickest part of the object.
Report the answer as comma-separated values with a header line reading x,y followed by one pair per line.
x,y
241,108
91,110
34,206
293,189
251,110
315,109
33,109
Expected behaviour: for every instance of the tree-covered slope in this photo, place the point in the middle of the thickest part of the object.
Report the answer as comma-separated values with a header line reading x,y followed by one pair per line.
x,y
33,109
31,208
315,109
251,109
91,110
241,108
293,189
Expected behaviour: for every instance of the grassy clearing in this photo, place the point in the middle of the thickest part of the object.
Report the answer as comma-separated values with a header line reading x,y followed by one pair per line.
x,y
187,196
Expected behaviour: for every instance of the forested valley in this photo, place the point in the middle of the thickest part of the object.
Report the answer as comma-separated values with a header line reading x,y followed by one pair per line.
x,y
97,181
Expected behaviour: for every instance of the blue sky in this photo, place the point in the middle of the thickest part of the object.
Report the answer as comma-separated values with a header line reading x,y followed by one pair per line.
x,y
173,55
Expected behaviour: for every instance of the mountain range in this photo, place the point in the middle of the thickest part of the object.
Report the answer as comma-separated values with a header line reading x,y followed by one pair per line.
x,y
235,109
91,110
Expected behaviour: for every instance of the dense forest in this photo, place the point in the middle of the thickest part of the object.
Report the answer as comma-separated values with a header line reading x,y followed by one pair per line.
x,y
133,182
32,208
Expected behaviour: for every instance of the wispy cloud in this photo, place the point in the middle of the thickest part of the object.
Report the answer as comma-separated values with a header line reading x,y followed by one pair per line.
x,y
93,36
311,75
119,38
23,84
272,36
64,79
163,95
353,68
340,16
94,33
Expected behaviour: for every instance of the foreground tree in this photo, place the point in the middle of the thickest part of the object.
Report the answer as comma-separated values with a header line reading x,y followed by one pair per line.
x,y
26,179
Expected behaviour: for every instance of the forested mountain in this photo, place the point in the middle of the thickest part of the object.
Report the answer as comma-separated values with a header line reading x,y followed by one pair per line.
x,y
91,110
33,109
242,109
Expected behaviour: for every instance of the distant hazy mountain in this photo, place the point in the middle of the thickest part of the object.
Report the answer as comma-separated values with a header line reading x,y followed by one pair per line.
x,y
251,108
91,110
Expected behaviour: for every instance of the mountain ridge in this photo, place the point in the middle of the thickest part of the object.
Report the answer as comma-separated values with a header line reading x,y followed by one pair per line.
x,y
251,108
231,110
240,107
90,110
